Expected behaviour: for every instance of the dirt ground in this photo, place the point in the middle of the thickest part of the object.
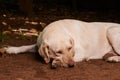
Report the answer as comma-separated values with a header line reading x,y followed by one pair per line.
x,y
28,66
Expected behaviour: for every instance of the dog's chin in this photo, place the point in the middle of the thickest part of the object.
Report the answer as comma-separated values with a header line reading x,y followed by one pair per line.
x,y
64,66
55,64
59,64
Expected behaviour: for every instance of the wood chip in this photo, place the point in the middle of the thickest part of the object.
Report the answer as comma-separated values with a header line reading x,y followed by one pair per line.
x,y
19,79
12,18
4,23
2,50
30,34
33,30
43,24
4,15
6,32
34,23
27,22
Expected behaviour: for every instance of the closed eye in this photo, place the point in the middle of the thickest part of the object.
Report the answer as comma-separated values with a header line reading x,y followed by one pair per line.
x,y
69,48
60,52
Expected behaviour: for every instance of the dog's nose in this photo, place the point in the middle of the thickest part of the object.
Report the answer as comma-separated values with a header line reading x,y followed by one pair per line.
x,y
70,65
53,67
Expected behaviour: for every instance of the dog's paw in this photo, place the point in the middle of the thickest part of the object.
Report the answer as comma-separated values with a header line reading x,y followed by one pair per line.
x,y
12,50
113,59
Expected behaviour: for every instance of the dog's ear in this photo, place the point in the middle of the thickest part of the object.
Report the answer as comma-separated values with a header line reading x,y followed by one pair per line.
x,y
72,41
72,47
44,52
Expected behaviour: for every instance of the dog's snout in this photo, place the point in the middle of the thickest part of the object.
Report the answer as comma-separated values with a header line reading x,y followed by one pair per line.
x,y
70,65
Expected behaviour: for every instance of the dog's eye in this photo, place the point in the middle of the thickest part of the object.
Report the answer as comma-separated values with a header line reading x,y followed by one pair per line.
x,y
69,48
60,52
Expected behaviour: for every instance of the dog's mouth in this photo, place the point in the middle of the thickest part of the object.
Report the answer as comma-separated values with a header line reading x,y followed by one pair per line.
x,y
57,63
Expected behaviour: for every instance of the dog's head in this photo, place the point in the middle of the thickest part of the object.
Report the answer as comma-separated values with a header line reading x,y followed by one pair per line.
x,y
60,50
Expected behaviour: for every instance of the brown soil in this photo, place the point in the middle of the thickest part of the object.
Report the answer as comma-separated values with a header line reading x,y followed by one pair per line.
x,y
28,66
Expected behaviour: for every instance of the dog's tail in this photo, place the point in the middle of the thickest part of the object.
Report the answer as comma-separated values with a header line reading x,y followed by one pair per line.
x,y
21,49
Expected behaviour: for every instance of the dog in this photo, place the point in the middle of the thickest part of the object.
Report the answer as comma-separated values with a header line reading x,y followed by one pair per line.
x,y
69,41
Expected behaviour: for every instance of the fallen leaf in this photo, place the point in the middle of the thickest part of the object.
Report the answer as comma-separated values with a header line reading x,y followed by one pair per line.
x,y
4,15
43,24
30,34
4,23
14,30
21,29
2,50
33,30
6,32
12,18
27,22
19,79
34,23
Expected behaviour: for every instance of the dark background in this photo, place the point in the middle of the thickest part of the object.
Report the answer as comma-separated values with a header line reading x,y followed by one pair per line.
x,y
33,6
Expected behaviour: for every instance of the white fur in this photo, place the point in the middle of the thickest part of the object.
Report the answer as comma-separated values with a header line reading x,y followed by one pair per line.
x,y
114,59
16,50
91,39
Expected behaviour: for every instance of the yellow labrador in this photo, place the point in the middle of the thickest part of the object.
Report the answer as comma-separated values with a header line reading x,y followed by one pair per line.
x,y
68,41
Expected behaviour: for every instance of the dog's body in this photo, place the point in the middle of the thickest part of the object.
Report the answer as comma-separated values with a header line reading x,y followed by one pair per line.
x,y
68,41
